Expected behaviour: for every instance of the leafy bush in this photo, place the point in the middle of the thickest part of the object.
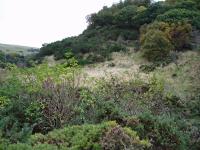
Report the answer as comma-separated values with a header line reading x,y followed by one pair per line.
x,y
148,68
124,17
155,45
163,132
178,33
181,15
119,138
37,99
84,137
149,14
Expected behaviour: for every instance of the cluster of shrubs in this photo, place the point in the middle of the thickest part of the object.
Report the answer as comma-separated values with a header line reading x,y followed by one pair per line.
x,y
47,107
159,39
120,25
108,135
41,99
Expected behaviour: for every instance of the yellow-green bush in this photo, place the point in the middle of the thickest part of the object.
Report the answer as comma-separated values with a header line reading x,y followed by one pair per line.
x,y
155,45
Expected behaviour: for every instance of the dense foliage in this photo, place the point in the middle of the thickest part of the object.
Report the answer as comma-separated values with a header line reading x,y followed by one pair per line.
x,y
55,106
119,26
41,99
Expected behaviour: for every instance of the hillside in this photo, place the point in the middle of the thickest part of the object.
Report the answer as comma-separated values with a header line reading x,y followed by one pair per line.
x,y
121,26
23,50
130,81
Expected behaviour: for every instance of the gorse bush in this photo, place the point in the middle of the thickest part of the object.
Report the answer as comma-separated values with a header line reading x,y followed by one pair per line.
x,y
155,45
85,137
159,39
163,132
178,33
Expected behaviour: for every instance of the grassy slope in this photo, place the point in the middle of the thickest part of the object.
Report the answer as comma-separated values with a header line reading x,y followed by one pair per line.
x,y
182,78
25,50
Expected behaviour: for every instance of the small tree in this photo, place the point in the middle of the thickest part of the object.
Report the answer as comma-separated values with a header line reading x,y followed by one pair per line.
x,y
155,45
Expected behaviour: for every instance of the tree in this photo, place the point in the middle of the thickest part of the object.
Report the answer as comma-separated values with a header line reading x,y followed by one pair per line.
x,y
155,45
179,34
125,15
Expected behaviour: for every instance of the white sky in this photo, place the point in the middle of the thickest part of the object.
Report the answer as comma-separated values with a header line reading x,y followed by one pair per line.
x,y
34,22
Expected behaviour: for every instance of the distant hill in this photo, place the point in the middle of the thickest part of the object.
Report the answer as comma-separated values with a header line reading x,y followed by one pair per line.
x,y
24,50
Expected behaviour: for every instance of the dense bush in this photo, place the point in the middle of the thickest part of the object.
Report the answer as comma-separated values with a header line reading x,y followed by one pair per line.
x,y
149,14
155,45
34,101
181,15
124,17
178,33
85,137
163,132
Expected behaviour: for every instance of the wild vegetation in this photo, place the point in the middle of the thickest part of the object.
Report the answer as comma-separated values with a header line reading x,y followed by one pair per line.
x,y
58,106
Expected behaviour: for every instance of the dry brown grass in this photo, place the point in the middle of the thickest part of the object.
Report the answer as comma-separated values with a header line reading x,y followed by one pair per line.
x,y
122,65
183,78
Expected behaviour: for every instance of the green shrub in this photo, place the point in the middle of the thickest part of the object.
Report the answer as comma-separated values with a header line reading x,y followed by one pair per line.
x,y
148,68
84,137
75,137
155,45
29,147
28,103
95,108
116,48
122,138
181,15
179,34
163,132
149,14
124,17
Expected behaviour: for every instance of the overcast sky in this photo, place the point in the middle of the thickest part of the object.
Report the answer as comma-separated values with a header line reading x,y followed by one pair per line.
x,y
34,22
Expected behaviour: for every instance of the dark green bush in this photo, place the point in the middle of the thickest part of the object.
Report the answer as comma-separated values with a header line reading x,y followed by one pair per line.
x,y
124,17
181,15
149,15
148,68
84,137
155,45
163,132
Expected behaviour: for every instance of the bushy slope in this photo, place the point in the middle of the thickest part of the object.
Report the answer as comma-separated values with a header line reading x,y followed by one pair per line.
x,y
116,28
147,98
